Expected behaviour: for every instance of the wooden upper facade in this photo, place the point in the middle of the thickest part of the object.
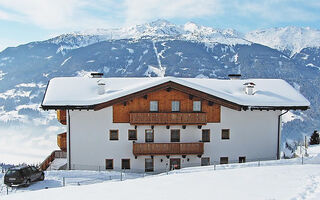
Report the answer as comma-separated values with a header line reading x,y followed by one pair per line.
x,y
137,111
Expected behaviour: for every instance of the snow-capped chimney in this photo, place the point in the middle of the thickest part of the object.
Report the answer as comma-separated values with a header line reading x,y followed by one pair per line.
x,y
249,88
234,76
96,75
101,88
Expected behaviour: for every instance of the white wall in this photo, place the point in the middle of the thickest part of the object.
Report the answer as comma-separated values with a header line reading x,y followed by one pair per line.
x,y
252,134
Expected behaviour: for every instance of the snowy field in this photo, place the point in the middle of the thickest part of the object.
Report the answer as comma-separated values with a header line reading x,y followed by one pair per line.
x,y
284,179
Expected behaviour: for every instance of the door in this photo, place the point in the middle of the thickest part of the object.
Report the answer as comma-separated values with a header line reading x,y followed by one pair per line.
x,y
175,163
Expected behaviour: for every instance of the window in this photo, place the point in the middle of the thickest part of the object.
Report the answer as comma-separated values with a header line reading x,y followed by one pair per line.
x,y
149,135
242,159
132,134
223,160
206,135
125,164
153,106
175,135
114,135
197,106
34,169
205,161
175,106
109,163
225,134
149,165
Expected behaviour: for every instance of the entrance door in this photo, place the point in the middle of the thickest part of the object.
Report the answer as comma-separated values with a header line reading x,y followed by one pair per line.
x,y
175,163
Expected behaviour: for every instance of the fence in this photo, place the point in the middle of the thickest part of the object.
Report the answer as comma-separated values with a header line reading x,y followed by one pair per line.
x,y
100,174
215,165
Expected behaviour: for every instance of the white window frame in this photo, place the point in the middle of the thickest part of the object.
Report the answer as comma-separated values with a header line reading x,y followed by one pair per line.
x,y
175,106
154,106
197,106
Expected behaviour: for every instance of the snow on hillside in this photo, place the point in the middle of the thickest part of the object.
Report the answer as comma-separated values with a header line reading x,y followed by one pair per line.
x,y
284,179
272,182
289,38
157,30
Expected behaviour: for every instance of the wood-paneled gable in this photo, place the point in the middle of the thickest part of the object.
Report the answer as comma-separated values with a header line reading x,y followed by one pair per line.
x,y
121,111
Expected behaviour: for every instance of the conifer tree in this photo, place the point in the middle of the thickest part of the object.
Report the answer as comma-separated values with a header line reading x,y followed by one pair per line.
x,y
314,139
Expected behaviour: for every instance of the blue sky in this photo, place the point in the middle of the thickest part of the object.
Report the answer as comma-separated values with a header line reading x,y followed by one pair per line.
x,y
25,21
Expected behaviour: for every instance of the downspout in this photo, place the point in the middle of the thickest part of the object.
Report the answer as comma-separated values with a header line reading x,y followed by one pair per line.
x,y
279,134
69,141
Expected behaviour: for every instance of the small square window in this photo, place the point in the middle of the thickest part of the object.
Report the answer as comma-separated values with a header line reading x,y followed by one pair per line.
x,y
149,165
224,160
149,137
153,106
225,134
205,161
242,159
206,135
175,135
109,163
197,106
175,106
114,135
125,164
132,134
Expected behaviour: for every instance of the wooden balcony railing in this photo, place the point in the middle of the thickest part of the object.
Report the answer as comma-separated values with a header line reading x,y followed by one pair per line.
x,y
168,118
62,141
145,149
62,116
55,154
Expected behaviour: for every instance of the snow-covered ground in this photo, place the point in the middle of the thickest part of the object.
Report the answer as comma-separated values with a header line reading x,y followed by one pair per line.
x,y
284,179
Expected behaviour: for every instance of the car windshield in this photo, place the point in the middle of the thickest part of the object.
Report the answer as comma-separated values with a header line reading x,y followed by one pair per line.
x,y
12,172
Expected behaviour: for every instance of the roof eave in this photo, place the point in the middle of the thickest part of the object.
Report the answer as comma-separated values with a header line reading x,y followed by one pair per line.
x,y
275,108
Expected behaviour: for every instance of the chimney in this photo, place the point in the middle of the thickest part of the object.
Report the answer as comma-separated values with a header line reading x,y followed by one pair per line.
x,y
234,76
101,88
249,88
96,75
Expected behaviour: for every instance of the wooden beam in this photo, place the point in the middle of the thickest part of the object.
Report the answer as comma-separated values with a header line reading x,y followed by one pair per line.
x,y
172,85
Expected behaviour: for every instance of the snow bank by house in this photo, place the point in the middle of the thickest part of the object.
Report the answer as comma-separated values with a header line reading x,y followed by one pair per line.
x,y
83,91
281,179
271,182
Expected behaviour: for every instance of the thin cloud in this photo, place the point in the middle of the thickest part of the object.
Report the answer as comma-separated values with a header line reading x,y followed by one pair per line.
x,y
273,11
58,14
140,11
84,14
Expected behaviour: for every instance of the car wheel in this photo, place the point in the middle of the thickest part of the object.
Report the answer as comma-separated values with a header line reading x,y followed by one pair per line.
x,y
41,177
28,182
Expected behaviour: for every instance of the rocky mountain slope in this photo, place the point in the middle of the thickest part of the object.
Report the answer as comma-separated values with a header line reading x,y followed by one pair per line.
x,y
162,48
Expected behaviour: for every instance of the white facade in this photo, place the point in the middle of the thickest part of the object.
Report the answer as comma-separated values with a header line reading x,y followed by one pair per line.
x,y
253,134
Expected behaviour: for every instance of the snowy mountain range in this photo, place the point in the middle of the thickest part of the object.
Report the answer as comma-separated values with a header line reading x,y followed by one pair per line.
x,y
162,48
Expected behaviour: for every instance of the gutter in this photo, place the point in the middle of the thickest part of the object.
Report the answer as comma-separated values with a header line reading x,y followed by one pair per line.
x,y
69,141
279,134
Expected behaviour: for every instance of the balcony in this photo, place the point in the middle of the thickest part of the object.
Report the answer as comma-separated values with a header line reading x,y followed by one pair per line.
x,y
62,116
62,141
168,118
156,149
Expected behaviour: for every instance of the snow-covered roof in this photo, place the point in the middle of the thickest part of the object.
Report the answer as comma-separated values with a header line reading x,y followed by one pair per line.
x,y
83,91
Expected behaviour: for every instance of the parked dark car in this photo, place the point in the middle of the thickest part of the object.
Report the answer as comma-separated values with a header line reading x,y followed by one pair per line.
x,y
22,176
